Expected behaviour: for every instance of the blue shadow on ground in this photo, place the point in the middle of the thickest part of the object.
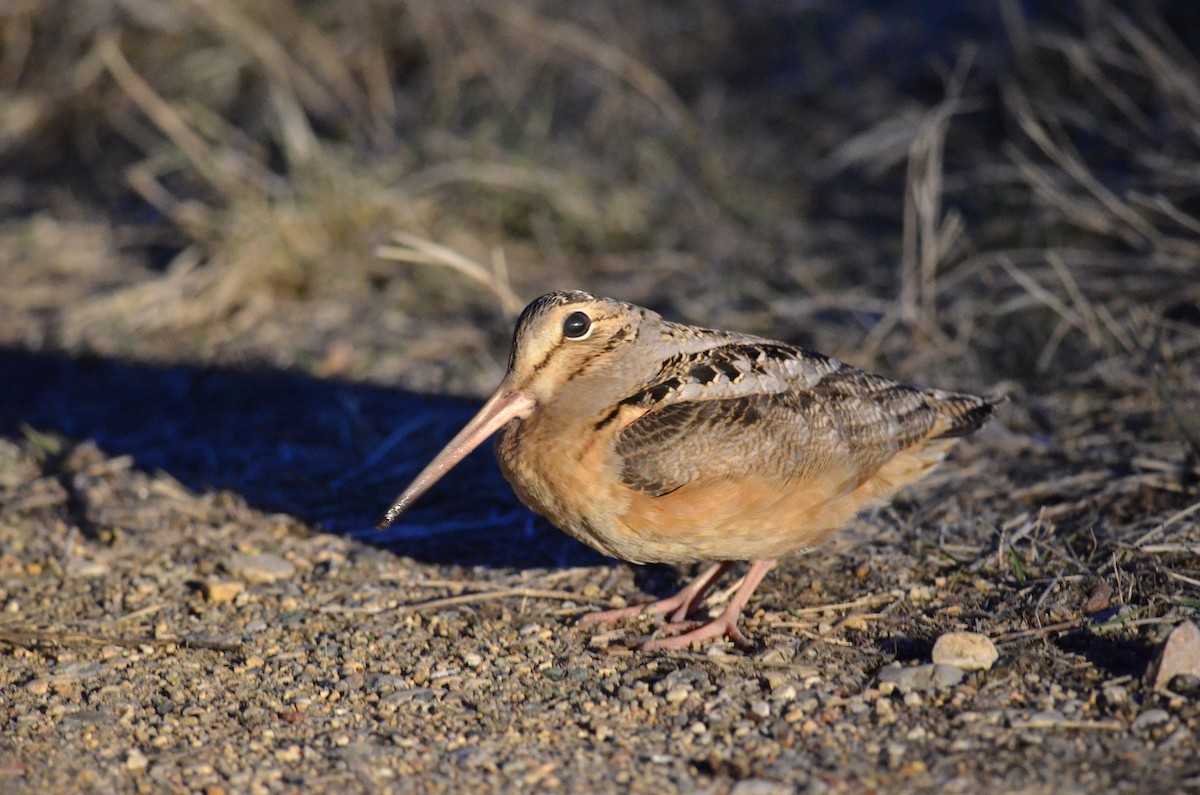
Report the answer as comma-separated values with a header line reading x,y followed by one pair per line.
x,y
331,453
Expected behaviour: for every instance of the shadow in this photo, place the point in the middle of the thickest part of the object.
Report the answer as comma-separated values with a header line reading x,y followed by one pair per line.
x,y
1115,656
331,453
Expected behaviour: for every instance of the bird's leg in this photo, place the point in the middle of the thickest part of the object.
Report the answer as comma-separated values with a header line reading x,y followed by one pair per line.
x,y
679,605
726,623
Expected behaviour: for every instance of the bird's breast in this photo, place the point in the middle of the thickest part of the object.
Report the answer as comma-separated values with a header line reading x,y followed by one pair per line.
x,y
571,476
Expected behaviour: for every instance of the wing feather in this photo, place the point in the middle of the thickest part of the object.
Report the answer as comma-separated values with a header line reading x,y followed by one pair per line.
x,y
773,410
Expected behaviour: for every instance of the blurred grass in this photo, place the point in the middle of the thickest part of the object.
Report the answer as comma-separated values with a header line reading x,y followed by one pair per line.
x,y
980,193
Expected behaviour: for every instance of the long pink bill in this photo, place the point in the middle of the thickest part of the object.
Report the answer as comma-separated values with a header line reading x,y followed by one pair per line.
x,y
501,407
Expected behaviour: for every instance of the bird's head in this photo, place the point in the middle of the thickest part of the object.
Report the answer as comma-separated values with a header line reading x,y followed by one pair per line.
x,y
559,338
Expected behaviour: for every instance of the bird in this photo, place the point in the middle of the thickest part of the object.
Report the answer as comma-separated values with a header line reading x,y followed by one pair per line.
x,y
657,442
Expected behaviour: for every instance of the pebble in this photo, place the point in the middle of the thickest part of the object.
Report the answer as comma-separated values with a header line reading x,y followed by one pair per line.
x,y
1150,718
289,754
758,786
75,671
968,651
677,694
1046,719
136,761
1115,695
1185,685
931,676
221,592
776,679
1180,656
263,568
920,593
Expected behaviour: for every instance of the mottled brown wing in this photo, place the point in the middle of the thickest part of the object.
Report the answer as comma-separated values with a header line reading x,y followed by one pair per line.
x,y
848,422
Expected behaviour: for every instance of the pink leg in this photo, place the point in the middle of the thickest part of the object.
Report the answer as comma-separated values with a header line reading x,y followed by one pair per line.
x,y
726,623
679,605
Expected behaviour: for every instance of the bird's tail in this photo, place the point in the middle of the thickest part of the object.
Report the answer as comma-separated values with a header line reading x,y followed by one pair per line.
x,y
960,414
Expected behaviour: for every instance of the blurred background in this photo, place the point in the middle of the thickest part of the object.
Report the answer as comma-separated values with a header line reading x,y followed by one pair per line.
x,y
999,196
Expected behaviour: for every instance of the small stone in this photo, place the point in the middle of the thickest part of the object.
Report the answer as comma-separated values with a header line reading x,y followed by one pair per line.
x,y
1150,718
760,709
37,687
775,679
946,675
136,761
968,651
1115,695
221,592
1179,655
919,677
920,593
472,659
1100,598
1185,685
677,694
289,754
758,786
262,568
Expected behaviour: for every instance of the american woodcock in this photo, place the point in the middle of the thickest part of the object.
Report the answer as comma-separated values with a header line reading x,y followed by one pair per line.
x,y
653,441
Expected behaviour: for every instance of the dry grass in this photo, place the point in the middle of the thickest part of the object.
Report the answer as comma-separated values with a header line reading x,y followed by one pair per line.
x,y
258,153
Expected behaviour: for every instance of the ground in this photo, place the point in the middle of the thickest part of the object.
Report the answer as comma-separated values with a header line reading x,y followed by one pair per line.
x,y
262,260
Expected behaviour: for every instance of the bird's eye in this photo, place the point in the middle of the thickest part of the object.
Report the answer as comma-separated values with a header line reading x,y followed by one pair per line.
x,y
577,326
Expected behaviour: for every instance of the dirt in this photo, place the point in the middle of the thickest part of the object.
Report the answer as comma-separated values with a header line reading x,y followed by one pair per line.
x,y
211,387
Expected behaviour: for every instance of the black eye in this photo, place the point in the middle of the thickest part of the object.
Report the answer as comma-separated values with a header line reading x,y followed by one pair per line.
x,y
576,325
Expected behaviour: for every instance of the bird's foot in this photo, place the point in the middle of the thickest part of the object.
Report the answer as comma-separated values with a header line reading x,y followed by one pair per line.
x,y
672,604
678,606
724,625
